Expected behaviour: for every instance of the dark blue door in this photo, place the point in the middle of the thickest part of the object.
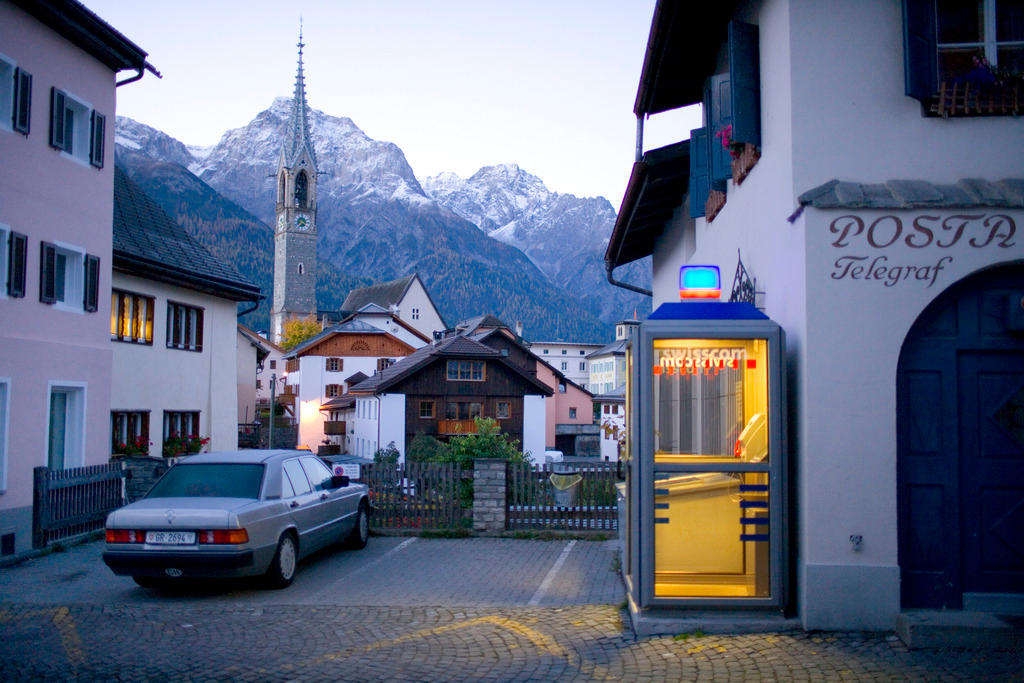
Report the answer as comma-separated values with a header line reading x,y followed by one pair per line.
x,y
960,422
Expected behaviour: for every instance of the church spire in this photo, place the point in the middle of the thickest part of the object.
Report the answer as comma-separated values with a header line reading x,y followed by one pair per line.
x,y
298,138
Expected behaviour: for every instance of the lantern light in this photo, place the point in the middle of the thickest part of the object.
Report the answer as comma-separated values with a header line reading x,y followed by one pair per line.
x,y
700,282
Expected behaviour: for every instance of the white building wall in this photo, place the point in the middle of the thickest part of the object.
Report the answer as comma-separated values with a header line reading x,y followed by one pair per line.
x,y
428,320
392,423
366,425
833,106
159,379
245,364
534,427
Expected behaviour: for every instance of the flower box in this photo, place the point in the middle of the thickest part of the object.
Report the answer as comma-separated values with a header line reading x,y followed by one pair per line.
x,y
714,204
744,161
973,99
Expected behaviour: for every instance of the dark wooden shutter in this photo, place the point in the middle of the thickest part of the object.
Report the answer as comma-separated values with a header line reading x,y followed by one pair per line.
x,y
920,56
91,296
21,116
97,139
47,273
745,73
718,105
58,113
17,253
199,329
698,171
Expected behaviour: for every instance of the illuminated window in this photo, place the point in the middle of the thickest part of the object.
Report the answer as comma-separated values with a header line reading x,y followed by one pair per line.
x,y
131,317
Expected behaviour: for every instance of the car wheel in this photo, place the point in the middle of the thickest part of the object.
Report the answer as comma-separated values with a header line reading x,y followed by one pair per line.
x,y
282,567
360,533
149,581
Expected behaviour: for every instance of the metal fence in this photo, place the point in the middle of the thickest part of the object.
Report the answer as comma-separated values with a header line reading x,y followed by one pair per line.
x,y
416,495
562,496
73,502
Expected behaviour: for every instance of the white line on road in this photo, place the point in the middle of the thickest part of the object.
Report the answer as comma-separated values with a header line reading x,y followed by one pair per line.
x,y
369,565
549,579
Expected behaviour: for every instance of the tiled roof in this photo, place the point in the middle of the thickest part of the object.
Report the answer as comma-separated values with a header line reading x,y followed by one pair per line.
x,y
913,194
148,243
384,295
616,347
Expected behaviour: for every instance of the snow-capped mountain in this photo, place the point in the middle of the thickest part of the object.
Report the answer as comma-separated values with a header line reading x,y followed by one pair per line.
x,y
376,221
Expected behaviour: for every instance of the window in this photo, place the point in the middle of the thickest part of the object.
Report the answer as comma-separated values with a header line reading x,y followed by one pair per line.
x,y
317,473
273,365
946,41
66,420
5,393
301,189
68,277
463,410
565,365
333,390
581,352
564,352
297,477
561,387
470,370
583,365
131,317
335,364
545,352
178,423
15,97
572,413
503,410
615,409
415,314
383,363
13,252
301,269
129,432
76,129
607,408
426,409
184,327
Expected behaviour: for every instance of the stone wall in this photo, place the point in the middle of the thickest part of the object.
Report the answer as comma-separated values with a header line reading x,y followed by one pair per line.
x,y
489,477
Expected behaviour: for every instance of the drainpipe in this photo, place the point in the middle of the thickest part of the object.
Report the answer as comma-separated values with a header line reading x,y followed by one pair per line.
x,y
639,138
146,66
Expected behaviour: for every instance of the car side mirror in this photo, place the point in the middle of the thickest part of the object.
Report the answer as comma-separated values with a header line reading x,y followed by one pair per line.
x,y
339,481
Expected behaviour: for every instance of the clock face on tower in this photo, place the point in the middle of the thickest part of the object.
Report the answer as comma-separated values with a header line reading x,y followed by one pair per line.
x,y
302,223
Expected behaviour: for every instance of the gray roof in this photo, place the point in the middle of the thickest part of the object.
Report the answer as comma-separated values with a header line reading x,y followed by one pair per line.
x,y
617,347
384,295
913,194
148,243
613,396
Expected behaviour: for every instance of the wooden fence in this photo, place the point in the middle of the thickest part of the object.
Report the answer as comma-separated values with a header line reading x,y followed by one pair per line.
x,y
417,495
562,496
72,502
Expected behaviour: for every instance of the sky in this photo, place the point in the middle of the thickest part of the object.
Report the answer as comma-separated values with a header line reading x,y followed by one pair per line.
x,y
456,84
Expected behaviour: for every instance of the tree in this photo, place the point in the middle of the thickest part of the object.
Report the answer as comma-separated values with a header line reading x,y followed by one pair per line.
x,y
387,456
488,442
425,448
298,330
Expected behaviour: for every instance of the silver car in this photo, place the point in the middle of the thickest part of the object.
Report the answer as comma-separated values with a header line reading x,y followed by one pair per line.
x,y
229,514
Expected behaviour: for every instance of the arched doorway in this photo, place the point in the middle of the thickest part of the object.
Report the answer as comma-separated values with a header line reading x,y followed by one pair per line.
x,y
960,425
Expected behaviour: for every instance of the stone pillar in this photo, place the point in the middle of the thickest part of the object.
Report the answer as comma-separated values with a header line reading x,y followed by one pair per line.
x,y
489,495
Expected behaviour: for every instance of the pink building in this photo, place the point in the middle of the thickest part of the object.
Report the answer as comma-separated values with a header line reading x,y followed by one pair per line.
x,y
59,67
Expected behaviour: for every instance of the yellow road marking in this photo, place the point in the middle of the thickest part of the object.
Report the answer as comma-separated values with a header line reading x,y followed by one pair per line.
x,y
66,629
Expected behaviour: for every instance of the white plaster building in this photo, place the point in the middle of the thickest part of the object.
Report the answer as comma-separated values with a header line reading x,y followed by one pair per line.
x,y
405,298
570,358
56,201
881,225
173,330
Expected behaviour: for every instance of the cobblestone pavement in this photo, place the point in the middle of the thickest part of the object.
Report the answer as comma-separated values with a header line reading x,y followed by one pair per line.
x,y
414,610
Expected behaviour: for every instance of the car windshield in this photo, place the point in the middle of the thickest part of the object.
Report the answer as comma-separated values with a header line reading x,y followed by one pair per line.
x,y
209,481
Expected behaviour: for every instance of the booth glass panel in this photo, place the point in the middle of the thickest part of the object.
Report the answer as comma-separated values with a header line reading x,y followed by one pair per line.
x,y
710,400
711,535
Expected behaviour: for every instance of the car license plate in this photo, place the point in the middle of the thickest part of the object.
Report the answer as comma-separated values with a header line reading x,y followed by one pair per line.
x,y
171,537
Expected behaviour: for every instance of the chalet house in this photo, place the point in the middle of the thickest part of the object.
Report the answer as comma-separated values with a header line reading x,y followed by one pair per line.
x,y
59,66
174,332
569,415
438,391
859,171
322,369
406,298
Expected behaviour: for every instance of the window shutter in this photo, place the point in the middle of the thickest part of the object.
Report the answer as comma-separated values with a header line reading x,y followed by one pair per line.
x,y
91,297
17,254
22,110
47,273
199,329
745,73
97,139
58,111
718,108
698,171
920,57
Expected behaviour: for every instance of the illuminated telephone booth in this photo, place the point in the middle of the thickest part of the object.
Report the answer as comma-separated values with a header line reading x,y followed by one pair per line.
x,y
705,522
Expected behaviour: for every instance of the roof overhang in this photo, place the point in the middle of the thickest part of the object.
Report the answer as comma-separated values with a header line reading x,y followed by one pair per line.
x,y
656,189
682,49
151,269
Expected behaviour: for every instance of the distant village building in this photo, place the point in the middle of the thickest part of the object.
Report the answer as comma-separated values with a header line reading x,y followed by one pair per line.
x,y
295,259
568,357
406,298
608,363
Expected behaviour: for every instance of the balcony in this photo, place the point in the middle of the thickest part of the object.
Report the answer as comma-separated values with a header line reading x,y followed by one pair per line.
x,y
334,428
454,427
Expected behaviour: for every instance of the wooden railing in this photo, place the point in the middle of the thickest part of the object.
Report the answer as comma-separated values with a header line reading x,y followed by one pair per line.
x,y
415,495
562,496
449,427
73,502
334,428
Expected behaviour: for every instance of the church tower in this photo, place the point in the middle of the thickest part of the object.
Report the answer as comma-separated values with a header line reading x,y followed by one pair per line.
x,y
295,234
